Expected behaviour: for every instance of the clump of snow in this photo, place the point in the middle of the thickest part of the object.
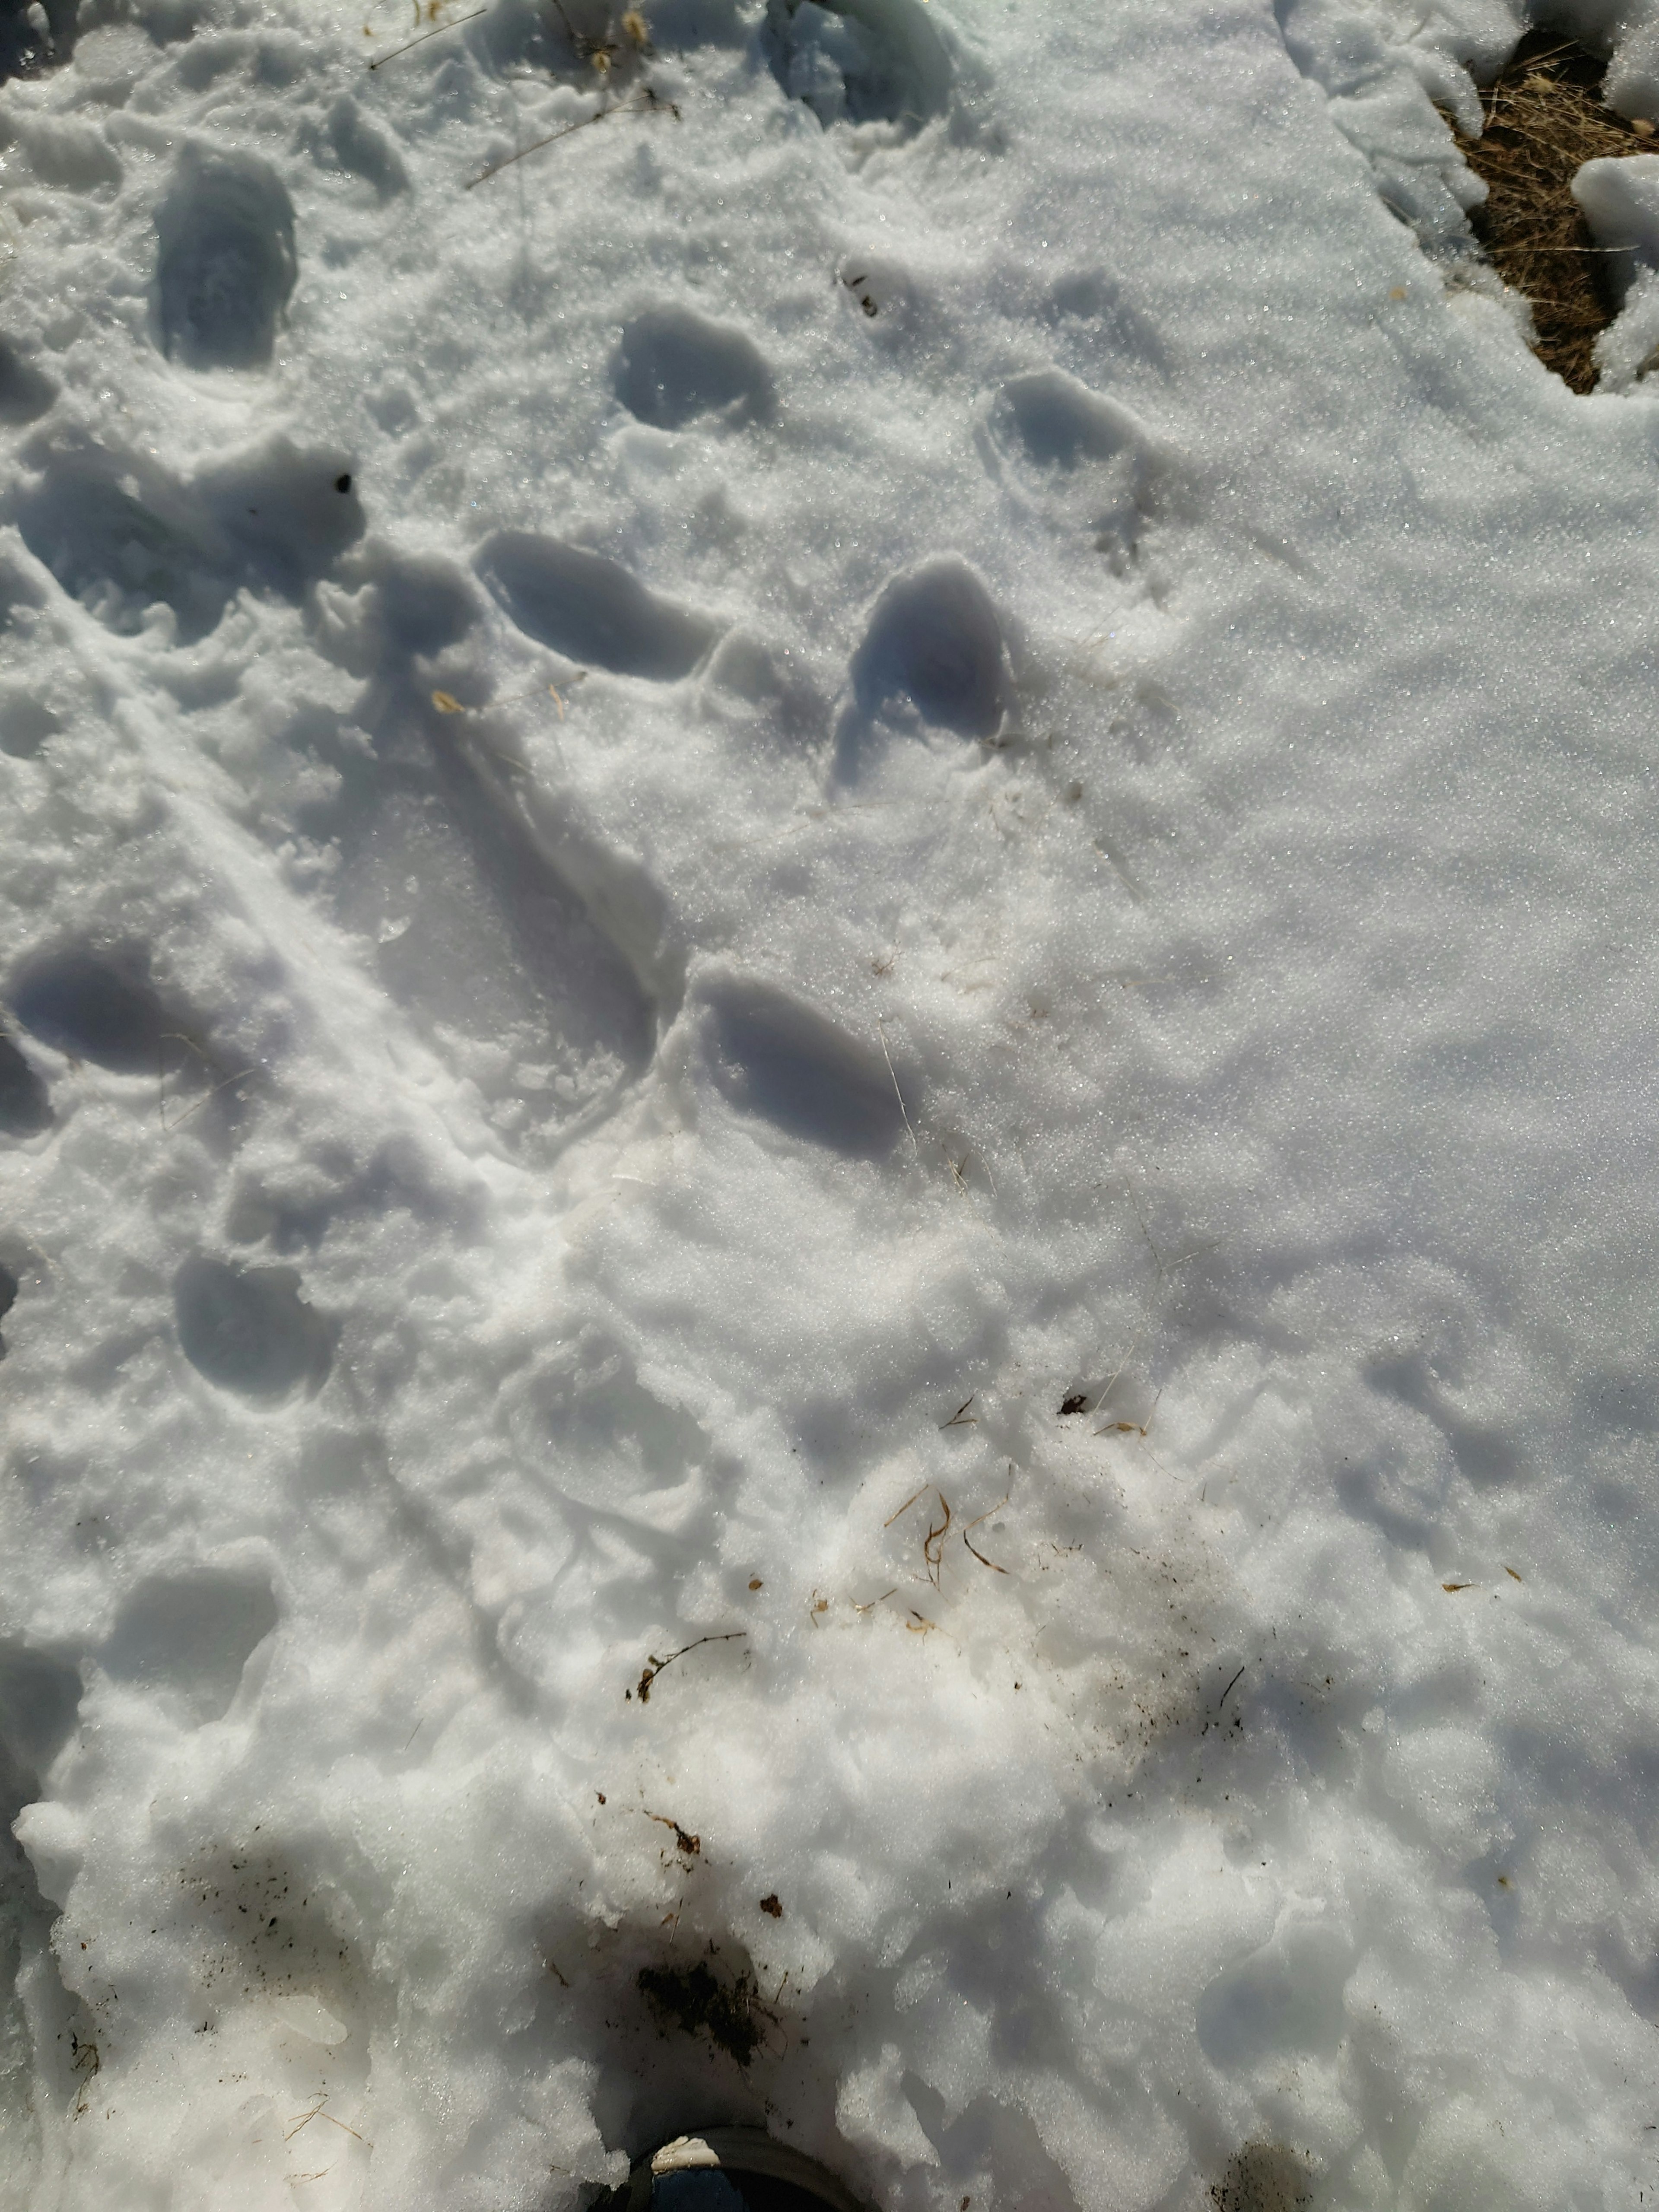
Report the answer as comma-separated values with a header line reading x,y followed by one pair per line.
x,y
825,1071
1620,200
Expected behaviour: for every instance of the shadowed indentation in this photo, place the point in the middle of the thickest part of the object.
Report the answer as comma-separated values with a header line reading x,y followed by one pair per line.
x,y
1285,1996
122,537
26,723
477,934
935,640
591,610
225,263
1094,464
248,1329
362,147
25,1109
673,365
1061,422
92,1009
25,390
35,39
1484,1452
775,1057
187,1637
38,1698
121,545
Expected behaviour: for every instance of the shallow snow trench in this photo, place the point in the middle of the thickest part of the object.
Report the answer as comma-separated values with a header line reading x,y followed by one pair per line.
x,y
827,1215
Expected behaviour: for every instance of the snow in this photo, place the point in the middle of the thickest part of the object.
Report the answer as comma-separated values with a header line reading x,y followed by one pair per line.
x,y
944,724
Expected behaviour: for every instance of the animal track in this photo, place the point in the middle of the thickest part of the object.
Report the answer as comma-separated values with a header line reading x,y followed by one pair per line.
x,y
592,609
934,639
1061,422
673,365
859,61
247,1329
1285,1996
773,1057
121,542
186,1640
225,263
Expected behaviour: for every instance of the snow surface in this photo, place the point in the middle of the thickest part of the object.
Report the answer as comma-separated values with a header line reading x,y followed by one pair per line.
x,y
944,725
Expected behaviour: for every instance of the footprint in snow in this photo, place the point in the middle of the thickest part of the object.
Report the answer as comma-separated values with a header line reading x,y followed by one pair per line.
x,y
673,365
1086,459
592,611
225,262
933,655
773,1057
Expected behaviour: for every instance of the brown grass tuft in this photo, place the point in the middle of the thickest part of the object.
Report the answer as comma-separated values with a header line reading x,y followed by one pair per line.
x,y
1544,118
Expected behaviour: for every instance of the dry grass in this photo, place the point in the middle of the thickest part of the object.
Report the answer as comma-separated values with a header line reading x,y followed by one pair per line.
x,y
1544,118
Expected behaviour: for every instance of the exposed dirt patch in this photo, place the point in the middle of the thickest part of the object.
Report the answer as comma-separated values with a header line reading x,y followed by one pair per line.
x,y
1263,2177
1544,118
695,2001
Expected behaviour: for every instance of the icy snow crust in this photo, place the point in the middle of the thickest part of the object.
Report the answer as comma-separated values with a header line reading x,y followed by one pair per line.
x,y
1044,792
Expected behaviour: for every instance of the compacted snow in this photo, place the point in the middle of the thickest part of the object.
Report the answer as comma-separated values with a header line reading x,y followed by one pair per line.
x,y
827,1168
